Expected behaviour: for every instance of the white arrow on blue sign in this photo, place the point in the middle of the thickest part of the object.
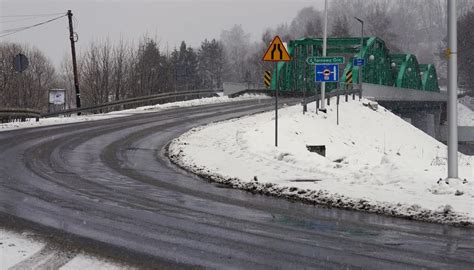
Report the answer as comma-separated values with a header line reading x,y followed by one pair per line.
x,y
327,73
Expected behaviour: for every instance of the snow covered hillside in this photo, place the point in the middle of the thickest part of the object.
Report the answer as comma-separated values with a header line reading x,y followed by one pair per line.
x,y
375,161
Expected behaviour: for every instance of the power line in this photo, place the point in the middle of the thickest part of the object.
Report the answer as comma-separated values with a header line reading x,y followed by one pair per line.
x,y
32,15
21,19
19,29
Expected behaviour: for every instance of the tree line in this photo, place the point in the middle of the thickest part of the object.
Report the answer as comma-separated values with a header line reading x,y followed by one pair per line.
x,y
115,71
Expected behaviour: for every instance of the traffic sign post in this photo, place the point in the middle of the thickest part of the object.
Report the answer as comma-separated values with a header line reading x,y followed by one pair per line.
x,y
327,70
327,73
276,52
358,62
316,60
276,104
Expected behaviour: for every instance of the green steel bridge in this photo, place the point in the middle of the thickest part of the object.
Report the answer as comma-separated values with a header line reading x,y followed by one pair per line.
x,y
381,66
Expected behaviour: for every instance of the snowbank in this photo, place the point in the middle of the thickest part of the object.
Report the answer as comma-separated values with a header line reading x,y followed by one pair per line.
x,y
94,117
375,161
19,251
83,261
15,248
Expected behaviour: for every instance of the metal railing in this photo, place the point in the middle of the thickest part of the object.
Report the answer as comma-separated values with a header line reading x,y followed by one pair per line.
x,y
18,114
21,114
343,92
131,101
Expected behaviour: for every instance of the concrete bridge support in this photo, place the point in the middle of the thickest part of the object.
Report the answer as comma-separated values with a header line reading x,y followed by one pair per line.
x,y
427,121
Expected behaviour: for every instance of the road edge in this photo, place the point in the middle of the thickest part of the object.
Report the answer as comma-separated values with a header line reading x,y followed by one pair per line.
x,y
314,197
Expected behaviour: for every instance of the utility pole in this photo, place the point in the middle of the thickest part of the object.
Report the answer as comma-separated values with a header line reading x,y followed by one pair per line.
x,y
452,91
325,37
74,62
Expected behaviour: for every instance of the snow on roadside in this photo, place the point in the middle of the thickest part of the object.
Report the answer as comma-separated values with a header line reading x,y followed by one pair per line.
x,y
146,109
374,162
15,248
83,261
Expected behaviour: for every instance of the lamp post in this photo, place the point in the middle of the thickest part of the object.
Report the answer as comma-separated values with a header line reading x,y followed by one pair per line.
x,y
361,46
452,92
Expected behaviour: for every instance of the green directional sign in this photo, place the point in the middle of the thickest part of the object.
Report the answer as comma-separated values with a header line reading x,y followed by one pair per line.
x,y
316,60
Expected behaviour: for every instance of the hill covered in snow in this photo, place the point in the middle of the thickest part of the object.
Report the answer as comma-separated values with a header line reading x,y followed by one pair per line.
x,y
375,161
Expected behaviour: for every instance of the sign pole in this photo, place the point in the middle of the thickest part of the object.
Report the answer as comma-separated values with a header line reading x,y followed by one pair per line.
x,y
275,53
325,34
276,103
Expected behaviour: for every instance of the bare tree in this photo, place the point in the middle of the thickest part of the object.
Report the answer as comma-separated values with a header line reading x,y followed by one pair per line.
x,y
341,27
28,89
236,46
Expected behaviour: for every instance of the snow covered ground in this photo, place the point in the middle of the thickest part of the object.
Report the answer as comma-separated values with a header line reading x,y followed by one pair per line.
x,y
146,109
15,248
375,161
19,251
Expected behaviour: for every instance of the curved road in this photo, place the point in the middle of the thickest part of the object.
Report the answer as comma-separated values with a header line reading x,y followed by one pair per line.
x,y
110,181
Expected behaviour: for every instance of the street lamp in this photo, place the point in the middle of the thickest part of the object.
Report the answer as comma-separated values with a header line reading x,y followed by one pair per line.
x,y
452,92
361,46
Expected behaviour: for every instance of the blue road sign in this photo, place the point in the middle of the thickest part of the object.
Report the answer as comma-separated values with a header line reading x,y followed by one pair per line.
x,y
327,73
358,62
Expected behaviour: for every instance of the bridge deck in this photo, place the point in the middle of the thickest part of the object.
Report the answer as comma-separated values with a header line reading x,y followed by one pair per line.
x,y
388,93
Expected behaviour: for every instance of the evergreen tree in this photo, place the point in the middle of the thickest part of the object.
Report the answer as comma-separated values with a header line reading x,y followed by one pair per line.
x,y
210,64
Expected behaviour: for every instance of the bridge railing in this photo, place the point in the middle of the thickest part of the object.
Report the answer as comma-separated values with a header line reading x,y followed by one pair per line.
x,y
20,114
131,101
341,92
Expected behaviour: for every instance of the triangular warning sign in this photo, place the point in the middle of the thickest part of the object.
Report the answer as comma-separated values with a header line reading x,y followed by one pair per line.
x,y
276,51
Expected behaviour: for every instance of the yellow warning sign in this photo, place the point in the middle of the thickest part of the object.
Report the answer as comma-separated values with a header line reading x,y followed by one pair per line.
x,y
267,78
276,51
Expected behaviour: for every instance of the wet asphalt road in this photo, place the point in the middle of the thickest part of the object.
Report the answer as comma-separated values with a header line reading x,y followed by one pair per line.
x,y
110,181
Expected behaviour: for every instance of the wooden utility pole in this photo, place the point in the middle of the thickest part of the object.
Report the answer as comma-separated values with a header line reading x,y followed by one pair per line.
x,y
74,62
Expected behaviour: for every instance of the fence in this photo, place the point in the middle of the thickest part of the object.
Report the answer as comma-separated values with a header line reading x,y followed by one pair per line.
x,y
12,114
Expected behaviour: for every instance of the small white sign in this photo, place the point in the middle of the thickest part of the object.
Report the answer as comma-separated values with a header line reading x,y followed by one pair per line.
x,y
57,96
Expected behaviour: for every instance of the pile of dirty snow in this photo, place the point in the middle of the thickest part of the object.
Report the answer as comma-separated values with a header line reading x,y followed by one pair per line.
x,y
375,161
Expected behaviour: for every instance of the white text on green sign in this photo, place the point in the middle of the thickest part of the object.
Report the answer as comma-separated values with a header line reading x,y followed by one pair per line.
x,y
313,60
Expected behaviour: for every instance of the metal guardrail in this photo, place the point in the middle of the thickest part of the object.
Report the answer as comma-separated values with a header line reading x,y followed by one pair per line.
x,y
9,114
130,101
344,92
252,92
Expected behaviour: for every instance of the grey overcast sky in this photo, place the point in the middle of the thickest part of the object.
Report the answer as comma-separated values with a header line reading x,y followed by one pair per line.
x,y
169,21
